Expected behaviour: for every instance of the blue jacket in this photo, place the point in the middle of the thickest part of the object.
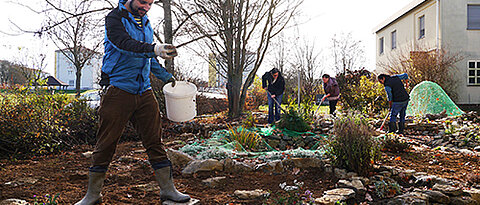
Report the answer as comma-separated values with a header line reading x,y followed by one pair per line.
x,y
129,57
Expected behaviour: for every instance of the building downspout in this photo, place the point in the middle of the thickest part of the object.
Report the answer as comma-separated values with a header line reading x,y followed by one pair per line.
x,y
438,25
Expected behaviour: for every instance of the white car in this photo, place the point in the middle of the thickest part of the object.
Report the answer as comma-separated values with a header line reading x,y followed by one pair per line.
x,y
92,98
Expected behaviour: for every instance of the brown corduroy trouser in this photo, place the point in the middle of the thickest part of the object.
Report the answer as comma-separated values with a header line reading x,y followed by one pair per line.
x,y
117,107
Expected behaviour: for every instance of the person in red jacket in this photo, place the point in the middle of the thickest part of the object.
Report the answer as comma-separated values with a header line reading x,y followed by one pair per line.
x,y
332,92
274,84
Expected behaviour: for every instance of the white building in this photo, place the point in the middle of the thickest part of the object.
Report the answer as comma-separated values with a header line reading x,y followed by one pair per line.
x,y
66,71
218,69
453,25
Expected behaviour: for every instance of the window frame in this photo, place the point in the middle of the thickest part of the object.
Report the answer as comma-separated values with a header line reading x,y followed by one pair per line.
x,y
393,35
469,26
421,27
476,73
381,45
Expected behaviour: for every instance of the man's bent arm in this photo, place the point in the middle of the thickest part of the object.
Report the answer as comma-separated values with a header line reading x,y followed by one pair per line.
x,y
122,41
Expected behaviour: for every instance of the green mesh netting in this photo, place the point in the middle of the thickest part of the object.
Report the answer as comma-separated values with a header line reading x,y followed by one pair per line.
x,y
218,146
429,98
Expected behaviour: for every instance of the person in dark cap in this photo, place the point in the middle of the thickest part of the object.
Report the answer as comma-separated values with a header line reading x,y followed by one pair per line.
x,y
274,83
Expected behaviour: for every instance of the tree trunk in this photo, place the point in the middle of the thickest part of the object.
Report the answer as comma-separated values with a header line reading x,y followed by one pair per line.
x,y
77,81
234,103
168,32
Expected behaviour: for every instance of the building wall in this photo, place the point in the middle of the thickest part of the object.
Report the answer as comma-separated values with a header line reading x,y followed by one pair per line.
x,y
407,29
66,72
456,38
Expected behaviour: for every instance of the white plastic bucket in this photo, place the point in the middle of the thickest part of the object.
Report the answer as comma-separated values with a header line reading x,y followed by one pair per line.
x,y
180,101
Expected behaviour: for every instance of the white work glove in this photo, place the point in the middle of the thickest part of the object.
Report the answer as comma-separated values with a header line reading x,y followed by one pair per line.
x,y
165,51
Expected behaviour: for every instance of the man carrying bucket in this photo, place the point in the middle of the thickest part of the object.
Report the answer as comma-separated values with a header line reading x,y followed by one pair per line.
x,y
129,58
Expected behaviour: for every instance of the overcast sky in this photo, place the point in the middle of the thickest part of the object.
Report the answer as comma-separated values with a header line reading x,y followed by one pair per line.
x,y
323,18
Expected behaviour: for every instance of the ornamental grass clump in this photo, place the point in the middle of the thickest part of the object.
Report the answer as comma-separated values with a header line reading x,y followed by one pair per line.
x,y
247,139
352,146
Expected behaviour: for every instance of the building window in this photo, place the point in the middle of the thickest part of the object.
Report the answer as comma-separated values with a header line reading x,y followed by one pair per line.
x,y
394,40
474,72
381,43
421,26
70,72
473,19
71,82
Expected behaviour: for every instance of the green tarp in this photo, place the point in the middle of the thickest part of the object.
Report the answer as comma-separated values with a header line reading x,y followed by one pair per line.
x,y
219,147
429,98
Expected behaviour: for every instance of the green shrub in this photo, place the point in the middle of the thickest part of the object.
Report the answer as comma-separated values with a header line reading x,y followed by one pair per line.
x,y
360,91
353,146
293,120
256,95
39,123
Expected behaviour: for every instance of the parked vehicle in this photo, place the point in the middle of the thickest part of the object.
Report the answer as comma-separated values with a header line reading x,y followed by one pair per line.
x,y
92,97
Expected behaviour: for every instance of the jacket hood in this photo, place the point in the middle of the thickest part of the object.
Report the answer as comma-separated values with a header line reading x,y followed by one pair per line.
x,y
332,81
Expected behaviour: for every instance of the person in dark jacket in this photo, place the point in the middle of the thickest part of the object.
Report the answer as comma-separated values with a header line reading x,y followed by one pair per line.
x,y
332,92
397,99
274,84
130,57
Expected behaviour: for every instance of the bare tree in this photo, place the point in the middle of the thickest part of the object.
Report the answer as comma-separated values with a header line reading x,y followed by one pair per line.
x,y
423,64
10,74
232,29
280,51
75,32
32,65
306,66
348,53
73,26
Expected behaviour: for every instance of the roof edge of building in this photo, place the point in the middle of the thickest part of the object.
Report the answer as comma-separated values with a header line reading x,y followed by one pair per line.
x,y
405,10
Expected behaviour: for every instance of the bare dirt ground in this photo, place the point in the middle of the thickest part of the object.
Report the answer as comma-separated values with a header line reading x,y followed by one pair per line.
x,y
133,183
67,174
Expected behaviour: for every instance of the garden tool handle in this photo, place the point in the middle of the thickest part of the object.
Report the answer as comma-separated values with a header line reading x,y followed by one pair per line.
x,y
383,123
320,104
280,106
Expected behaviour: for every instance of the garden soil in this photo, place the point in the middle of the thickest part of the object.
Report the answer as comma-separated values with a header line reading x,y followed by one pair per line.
x,y
127,182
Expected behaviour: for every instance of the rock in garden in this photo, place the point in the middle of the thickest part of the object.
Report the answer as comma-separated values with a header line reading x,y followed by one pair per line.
x,y
435,196
447,189
179,158
304,163
462,200
232,166
214,181
345,192
88,154
340,173
475,193
14,202
207,165
191,202
22,181
246,194
329,199
400,200
275,166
